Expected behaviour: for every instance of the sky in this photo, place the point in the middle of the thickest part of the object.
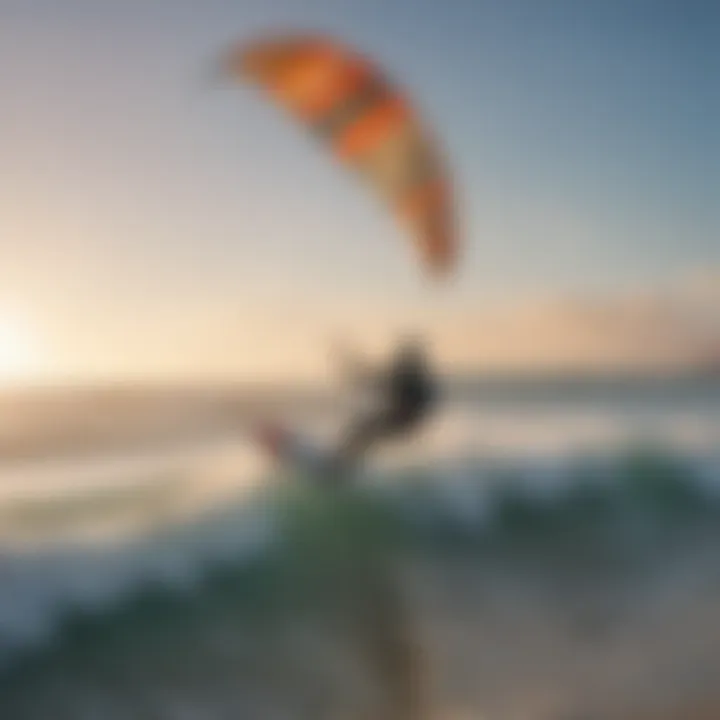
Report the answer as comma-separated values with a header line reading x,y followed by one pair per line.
x,y
155,221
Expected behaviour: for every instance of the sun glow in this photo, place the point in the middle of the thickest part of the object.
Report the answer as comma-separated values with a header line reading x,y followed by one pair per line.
x,y
19,351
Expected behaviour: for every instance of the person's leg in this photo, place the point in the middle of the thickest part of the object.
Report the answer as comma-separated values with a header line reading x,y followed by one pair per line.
x,y
361,436
367,431
384,425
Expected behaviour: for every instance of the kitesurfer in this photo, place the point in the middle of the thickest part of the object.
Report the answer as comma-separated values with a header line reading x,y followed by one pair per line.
x,y
407,393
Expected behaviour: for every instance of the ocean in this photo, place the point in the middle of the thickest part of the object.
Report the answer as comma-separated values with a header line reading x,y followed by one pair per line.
x,y
561,553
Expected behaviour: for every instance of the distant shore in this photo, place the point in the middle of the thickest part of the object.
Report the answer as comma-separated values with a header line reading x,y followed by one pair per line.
x,y
89,420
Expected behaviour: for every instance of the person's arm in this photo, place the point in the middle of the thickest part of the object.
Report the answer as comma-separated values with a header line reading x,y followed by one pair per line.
x,y
355,370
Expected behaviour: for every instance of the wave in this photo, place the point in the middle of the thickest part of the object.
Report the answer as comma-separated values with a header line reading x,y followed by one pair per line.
x,y
194,600
446,502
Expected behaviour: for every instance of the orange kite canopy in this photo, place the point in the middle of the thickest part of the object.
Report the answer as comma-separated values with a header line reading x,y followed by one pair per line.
x,y
348,103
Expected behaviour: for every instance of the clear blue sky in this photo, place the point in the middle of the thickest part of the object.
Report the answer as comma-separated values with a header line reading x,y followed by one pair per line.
x,y
583,137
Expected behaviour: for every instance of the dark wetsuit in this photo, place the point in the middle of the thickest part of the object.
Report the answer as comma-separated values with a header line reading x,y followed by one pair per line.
x,y
408,394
